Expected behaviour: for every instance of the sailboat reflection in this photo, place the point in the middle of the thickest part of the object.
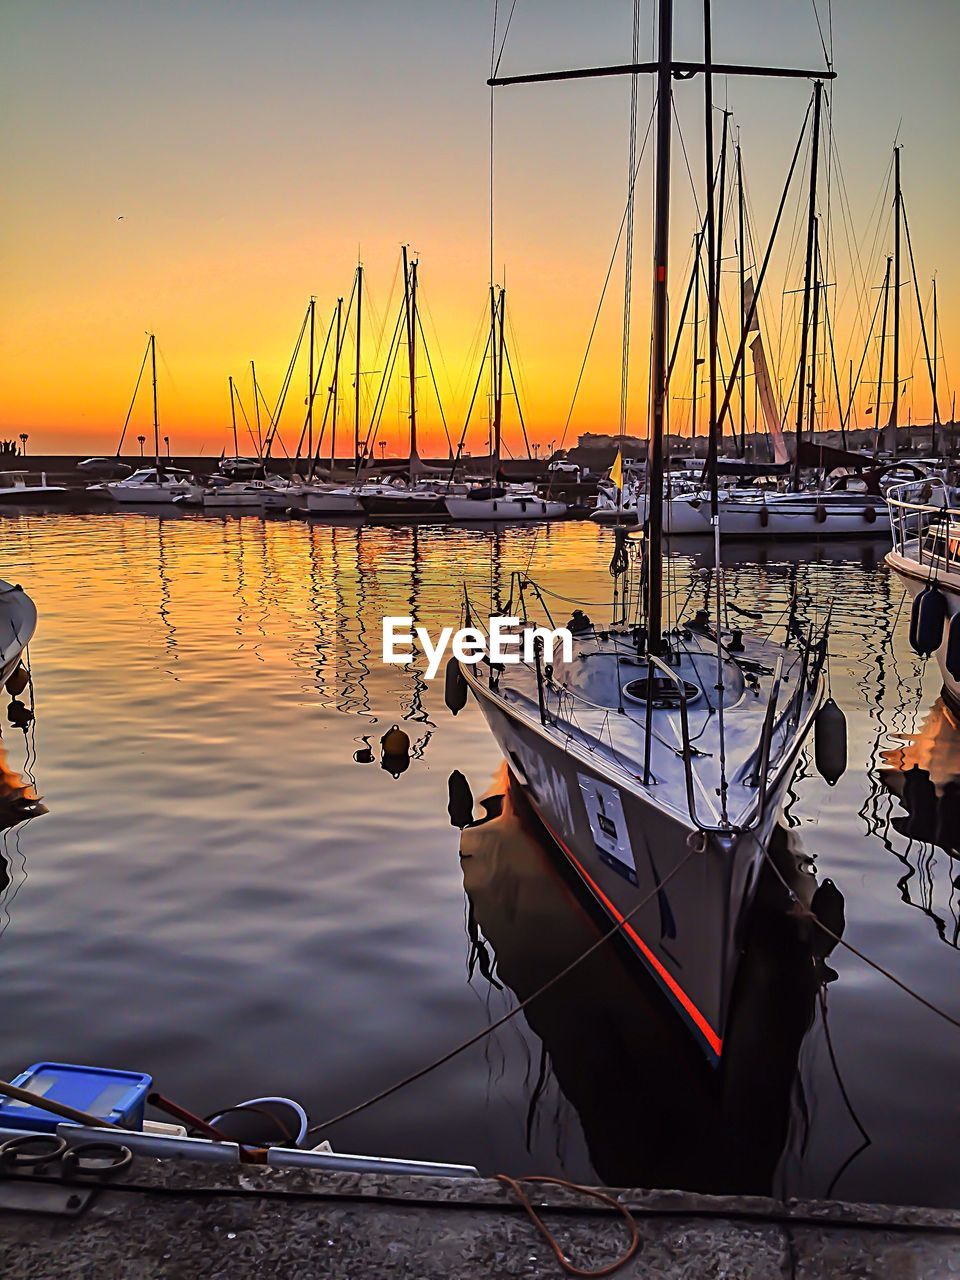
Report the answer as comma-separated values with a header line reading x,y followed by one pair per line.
x,y
19,803
653,1111
923,773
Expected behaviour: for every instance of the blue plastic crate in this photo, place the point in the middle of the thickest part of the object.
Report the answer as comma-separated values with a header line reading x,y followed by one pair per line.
x,y
115,1097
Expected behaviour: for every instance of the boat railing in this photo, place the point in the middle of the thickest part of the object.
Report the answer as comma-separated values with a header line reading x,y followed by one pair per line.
x,y
924,523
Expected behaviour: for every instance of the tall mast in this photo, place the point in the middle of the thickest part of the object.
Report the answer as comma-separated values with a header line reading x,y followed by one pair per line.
x,y
233,420
493,438
313,309
410,308
661,246
256,403
891,440
356,372
698,250
335,389
813,329
741,228
808,274
719,214
883,348
156,411
936,406
713,275
498,399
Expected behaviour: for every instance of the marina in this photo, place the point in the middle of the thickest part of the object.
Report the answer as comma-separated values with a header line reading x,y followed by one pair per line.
x,y
479,786
253,892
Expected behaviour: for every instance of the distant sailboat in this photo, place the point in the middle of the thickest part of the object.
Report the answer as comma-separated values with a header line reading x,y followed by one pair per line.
x,y
161,483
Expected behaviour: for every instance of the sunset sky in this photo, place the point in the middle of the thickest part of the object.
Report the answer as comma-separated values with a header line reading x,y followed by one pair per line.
x,y
201,170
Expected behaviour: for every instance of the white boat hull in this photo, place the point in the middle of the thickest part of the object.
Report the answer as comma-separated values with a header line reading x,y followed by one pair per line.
x,y
779,516
509,507
915,577
154,494
333,504
18,622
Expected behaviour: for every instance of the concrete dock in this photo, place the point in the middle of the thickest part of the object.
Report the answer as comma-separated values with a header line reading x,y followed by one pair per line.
x,y
183,1221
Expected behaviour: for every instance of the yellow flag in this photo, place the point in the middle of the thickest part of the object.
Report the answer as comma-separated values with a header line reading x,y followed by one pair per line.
x,y
616,471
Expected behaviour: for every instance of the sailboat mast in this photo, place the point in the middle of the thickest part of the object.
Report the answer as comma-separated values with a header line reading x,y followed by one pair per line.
x,y
698,250
891,441
356,372
313,310
498,402
808,275
814,329
233,420
156,411
661,246
335,389
713,276
741,230
410,307
936,406
256,404
883,350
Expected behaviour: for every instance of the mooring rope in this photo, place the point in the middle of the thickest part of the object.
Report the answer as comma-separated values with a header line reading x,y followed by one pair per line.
x,y
511,1013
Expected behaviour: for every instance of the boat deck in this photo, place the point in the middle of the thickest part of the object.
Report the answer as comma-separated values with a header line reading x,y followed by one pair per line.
x,y
597,705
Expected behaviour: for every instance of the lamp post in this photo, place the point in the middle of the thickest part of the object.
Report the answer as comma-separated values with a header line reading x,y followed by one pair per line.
x,y
383,449
141,440
166,441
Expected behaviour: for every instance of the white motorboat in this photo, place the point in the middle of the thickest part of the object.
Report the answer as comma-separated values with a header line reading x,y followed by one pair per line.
x,y
925,518
17,489
18,622
155,485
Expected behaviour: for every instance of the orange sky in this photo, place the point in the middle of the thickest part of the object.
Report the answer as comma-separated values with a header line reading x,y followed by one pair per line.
x,y
201,172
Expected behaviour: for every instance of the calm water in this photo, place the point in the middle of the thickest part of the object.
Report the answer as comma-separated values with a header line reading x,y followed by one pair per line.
x,y
222,896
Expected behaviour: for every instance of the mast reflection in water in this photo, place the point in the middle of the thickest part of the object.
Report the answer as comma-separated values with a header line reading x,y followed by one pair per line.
x,y
654,1112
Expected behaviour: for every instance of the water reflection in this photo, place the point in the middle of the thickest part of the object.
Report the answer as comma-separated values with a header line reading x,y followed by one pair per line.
x,y
214,685
653,1111
923,773
19,802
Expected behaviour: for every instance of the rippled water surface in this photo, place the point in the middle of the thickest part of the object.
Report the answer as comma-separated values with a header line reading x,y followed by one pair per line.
x,y
221,895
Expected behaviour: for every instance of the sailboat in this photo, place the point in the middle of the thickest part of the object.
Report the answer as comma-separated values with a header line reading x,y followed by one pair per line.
x,y
497,500
160,483
658,755
418,496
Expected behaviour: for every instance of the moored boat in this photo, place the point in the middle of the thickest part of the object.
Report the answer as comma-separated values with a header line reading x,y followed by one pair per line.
x,y
18,489
926,559
658,750
18,622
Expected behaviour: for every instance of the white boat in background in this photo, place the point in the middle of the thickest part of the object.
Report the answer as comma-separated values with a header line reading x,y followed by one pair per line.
x,y
17,489
154,485
925,519
161,483
18,622
337,500
504,502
